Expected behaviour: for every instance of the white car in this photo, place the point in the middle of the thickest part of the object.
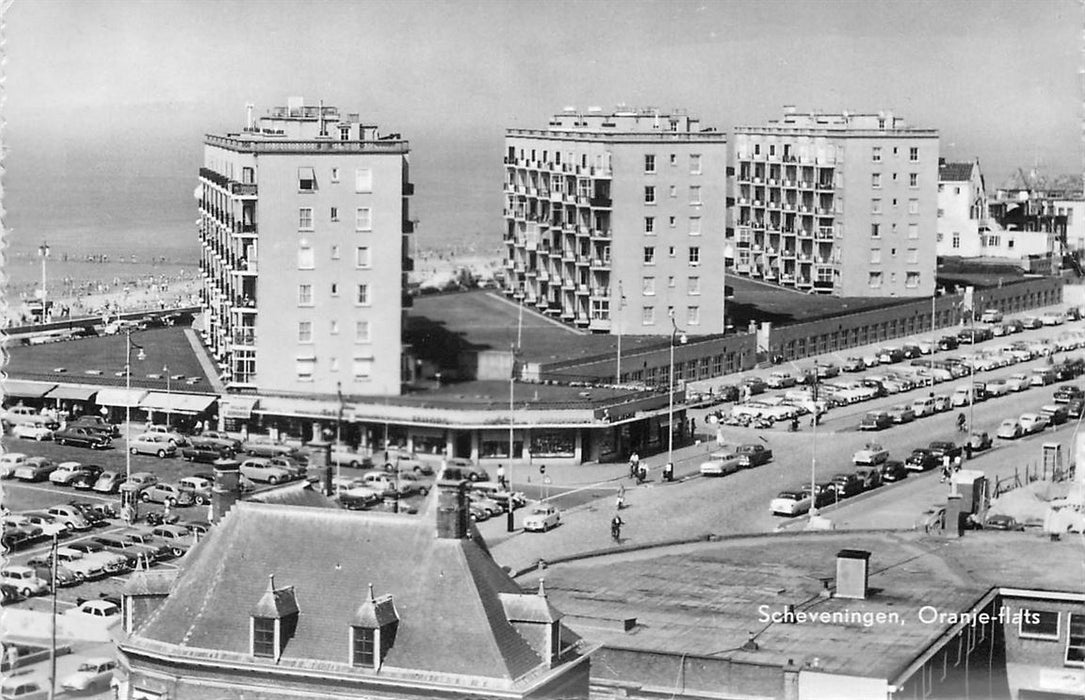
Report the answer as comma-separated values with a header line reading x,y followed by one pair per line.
x,y
157,444
49,525
1052,318
261,469
31,431
10,462
101,609
176,439
1017,382
64,473
997,387
541,518
1033,422
870,455
790,503
24,579
721,464
86,567
92,674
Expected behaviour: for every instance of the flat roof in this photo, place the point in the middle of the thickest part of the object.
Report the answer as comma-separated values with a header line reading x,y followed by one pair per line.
x,y
725,588
759,301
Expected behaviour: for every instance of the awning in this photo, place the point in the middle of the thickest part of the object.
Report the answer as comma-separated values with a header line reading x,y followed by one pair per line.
x,y
120,397
71,392
299,407
238,407
177,403
26,390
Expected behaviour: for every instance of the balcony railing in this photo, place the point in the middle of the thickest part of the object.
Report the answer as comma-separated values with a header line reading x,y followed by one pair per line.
x,y
601,202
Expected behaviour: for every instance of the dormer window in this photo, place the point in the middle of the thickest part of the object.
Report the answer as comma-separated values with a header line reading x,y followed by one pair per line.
x,y
264,633
273,621
363,646
373,631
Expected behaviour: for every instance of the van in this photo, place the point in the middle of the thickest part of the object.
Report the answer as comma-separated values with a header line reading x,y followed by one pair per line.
x,y
1042,376
924,406
962,396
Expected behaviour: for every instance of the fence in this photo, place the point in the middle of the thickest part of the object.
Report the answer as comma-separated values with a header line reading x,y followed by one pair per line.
x,y
1032,472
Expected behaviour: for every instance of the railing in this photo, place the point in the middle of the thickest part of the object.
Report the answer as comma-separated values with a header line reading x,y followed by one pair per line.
x,y
273,144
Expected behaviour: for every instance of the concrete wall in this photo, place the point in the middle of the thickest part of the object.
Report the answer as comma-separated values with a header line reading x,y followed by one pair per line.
x,y
1039,664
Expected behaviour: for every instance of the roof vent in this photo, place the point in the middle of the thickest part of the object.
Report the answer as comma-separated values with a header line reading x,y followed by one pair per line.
x,y
852,573
751,644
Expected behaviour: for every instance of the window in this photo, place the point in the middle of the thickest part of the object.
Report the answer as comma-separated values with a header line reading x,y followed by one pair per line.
x,y
956,190
875,230
335,289
874,279
363,180
335,252
305,257
875,206
649,195
694,255
263,637
913,206
305,331
913,179
673,221
956,239
693,315
941,212
875,255
649,224
876,154
694,164
334,327
911,280
912,255
304,367
361,332
670,282
674,159
694,194
913,231
305,295
876,180
363,295
649,286
940,235
335,174
649,255
674,191
248,175
649,163
363,219
1075,643
693,286
1039,624
695,226
671,251
362,257
992,240
648,316
335,214
305,219
306,180
913,155
363,646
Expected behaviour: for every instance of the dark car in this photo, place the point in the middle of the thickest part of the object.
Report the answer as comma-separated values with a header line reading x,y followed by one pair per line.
x,y
894,470
848,485
754,454
205,450
827,371
1013,325
95,514
96,424
980,442
825,493
134,553
871,477
911,351
941,448
1002,522
82,437
86,476
726,392
222,438
878,387
755,385
921,460
1065,394
1056,414
853,364
948,342
1075,408
1031,323
875,420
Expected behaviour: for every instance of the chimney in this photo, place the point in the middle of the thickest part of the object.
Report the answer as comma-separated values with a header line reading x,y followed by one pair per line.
x,y
452,509
249,123
851,573
226,489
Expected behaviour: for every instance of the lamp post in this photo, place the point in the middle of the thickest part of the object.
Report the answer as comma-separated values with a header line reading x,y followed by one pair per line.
x,y
510,524
128,345
166,371
676,336
43,253
621,307
339,437
814,450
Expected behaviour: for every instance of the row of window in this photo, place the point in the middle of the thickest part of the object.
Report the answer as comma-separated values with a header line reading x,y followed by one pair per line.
x,y
694,224
305,294
363,257
876,154
876,230
1044,625
694,163
694,194
955,241
650,254
648,315
570,157
363,218
876,206
307,180
911,255
876,180
693,285
361,331
874,279
361,368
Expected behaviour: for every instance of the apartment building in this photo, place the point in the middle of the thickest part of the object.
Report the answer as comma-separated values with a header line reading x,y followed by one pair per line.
x,y
615,221
303,225
841,204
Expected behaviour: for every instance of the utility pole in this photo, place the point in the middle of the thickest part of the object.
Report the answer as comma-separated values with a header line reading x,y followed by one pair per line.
x,y
621,306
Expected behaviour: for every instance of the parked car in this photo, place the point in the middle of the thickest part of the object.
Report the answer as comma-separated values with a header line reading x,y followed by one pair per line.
x,y
948,342
1075,408
157,444
113,561
31,431
825,493
901,414
224,439
139,482
20,686
875,420
853,364
991,316
721,464
790,503
893,470
43,568
1052,318
921,460
847,484
871,454
92,674
980,441
25,414
179,538
169,494
296,467
199,487
1002,522
541,518
923,406
65,473
10,462
264,446
460,468
135,554
941,448
780,380
261,469
97,512
1056,414
1067,392
99,608
175,438
83,437
108,482
997,387
161,550
1010,429
1031,323
754,454
97,424
35,469
25,579
1033,423
83,567
204,450
1017,382
49,525
70,516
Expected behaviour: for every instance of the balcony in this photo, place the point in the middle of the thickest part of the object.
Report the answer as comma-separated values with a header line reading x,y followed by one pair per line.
x,y
408,226
245,266
600,264
824,233
582,289
601,202
600,293
599,324
543,276
244,337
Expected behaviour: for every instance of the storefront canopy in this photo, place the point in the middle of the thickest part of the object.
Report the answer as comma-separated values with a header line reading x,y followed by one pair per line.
x,y
26,390
71,392
120,397
238,407
177,403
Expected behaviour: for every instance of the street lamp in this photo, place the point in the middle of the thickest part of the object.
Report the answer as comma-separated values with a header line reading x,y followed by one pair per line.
x,y
510,524
676,336
166,371
128,345
43,253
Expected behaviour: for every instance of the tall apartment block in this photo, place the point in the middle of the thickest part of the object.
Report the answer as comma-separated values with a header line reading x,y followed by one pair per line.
x,y
304,225
615,222
843,204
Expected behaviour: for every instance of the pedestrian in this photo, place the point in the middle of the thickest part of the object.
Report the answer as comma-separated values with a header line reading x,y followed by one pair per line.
x,y
668,471
634,464
693,428
968,450
501,475
621,497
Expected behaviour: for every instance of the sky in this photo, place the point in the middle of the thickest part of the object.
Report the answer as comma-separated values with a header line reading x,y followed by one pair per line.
x,y
100,92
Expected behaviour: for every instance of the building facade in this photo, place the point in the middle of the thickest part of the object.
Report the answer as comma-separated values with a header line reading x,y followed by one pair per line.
x,y
615,221
841,204
303,225
962,210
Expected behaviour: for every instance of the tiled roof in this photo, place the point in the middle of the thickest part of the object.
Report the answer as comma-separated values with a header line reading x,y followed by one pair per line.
x,y
376,612
528,607
446,592
145,582
276,602
294,493
955,172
